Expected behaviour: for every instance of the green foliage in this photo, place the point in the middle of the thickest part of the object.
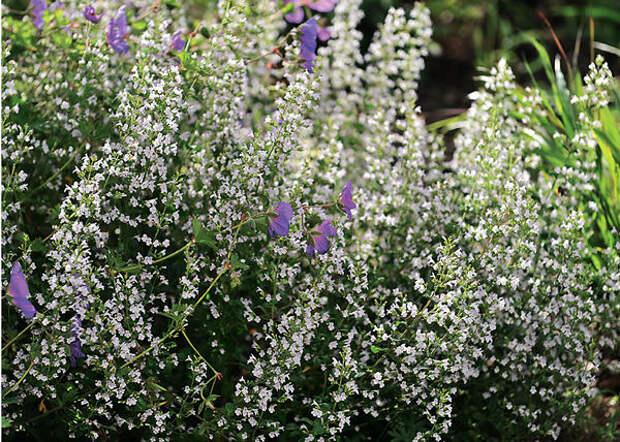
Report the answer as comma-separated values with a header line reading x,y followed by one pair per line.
x,y
559,119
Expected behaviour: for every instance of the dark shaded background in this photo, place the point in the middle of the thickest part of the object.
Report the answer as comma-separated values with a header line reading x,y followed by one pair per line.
x,y
477,33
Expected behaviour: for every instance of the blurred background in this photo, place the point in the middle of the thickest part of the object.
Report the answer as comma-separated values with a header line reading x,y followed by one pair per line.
x,y
477,33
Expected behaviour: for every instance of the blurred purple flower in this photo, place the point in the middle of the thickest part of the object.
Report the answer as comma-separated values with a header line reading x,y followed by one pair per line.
x,y
18,289
118,31
38,8
308,43
320,243
56,6
323,5
89,14
323,34
279,225
178,42
346,199
297,15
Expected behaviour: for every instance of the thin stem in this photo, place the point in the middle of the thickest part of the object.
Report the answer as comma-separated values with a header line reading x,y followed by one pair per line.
x,y
138,266
174,330
153,8
415,320
251,218
19,334
197,352
16,11
60,407
263,214
210,287
19,381
303,206
230,249
58,172
161,341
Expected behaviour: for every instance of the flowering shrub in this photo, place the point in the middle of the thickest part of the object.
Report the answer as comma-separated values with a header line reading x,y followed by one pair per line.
x,y
243,230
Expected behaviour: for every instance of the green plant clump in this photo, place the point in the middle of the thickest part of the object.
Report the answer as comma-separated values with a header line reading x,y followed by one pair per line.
x,y
241,228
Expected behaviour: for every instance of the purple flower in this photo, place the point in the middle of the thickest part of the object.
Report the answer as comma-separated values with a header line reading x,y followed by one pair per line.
x,y
279,225
320,243
38,8
56,6
178,42
297,15
18,289
323,33
118,31
308,43
75,346
323,5
346,199
89,14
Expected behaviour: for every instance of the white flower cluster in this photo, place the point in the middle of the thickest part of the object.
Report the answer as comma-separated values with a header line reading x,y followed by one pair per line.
x,y
137,192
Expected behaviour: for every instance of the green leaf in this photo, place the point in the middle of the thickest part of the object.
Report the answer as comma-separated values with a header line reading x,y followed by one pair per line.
x,y
202,235
289,7
375,349
38,246
317,428
6,423
139,25
237,264
172,3
563,101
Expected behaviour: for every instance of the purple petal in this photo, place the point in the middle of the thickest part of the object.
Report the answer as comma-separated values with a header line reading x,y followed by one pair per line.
x,y
89,14
296,16
285,210
321,243
279,225
38,8
18,289
346,199
323,5
310,250
117,31
326,228
75,347
323,34
38,22
308,43
178,42
56,6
